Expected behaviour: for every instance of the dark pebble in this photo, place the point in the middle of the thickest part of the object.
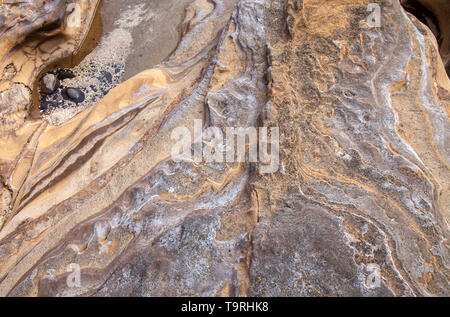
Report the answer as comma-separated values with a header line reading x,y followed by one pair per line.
x,y
65,74
106,75
46,105
74,94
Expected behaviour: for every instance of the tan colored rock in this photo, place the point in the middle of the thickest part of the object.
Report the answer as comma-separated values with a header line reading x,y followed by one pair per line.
x,y
362,185
35,34
15,100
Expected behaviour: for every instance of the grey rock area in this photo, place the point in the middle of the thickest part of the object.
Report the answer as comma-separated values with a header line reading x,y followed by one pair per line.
x,y
354,201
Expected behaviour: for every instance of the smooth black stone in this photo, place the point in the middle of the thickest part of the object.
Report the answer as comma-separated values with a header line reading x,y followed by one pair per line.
x,y
73,94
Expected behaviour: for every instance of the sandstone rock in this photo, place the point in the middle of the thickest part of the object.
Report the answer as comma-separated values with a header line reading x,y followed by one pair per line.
x,y
9,72
362,186
15,99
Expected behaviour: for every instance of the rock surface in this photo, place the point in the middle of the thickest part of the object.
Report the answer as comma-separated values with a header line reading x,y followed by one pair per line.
x,y
435,14
362,188
49,84
75,94
33,35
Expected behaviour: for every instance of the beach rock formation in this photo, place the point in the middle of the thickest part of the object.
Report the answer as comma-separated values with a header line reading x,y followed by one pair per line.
x,y
356,204
33,35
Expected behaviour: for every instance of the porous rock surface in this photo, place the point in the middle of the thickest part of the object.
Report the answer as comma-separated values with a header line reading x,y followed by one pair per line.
x,y
363,179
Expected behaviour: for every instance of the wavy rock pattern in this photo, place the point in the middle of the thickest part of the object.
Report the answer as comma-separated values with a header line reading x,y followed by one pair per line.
x,y
364,180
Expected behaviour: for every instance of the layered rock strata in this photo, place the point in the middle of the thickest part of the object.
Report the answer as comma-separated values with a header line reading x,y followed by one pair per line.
x,y
362,186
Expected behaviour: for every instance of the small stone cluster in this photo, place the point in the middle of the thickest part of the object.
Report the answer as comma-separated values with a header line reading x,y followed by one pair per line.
x,y
54,94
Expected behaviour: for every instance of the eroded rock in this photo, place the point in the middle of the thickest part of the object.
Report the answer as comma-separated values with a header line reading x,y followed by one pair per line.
x,y
435,14
14,106
362,113
34,35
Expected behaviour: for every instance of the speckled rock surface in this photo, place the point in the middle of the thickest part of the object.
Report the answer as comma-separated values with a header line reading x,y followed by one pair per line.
x,y
96,206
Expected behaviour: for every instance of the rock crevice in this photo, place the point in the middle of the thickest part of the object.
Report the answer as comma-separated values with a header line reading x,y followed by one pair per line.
x,y
361,188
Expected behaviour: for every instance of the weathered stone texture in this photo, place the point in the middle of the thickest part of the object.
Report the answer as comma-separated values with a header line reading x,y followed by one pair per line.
x,y
363,182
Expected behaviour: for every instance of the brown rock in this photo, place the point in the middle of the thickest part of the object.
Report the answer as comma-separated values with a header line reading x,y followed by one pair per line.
x,y
34,35
14,105
359,205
